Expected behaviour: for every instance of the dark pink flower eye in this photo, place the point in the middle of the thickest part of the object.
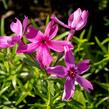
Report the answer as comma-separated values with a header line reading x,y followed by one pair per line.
x,y
71,74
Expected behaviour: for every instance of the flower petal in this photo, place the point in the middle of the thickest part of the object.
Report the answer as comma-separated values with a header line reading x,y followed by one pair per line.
x,y
27,48
69,89
54,18
85,15
43,56
84,83
83,20
8,41
59,45
33,34
69,57
25,23
83,66
80,25
58,70
16,27
51,30
76,18
70,19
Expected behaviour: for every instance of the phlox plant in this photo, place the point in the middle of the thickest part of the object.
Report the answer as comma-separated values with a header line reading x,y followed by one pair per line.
x,y
42,48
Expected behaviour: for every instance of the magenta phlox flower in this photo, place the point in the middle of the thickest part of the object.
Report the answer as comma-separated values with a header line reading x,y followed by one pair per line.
x,y
72,72
19,29
76,21
42,43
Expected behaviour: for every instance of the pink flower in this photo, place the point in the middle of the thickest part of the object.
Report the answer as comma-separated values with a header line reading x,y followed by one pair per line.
x,y
18,28
76,21
42,43
72,72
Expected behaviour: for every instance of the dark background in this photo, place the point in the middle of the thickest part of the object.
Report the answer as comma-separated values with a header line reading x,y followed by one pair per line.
x,y
98,10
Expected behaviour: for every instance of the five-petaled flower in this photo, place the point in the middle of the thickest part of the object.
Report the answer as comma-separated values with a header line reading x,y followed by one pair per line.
x,y
72,73
76,21
19,29
42,43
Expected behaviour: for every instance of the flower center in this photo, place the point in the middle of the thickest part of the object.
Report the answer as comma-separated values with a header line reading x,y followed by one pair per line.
x,y
72,72
43,41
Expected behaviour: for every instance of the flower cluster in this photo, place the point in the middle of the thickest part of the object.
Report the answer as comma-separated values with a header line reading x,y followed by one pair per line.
x,y
43,43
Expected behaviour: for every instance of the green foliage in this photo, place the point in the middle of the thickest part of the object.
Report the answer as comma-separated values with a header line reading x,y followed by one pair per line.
x,y
2,31
102,4
4,4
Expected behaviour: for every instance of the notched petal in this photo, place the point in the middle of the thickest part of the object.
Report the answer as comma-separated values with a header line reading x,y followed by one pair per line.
x,y
25,23
16,27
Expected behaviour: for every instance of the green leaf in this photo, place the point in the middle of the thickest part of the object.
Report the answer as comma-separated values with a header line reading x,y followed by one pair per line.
x,y
56,98
108,49
22,97
101,101
61,35
102,61
33,23
4,89
24,39
31,63
75,39
6,64
60,105
103,85
89,32
5,97
79,97
14,50
5,4
47,20
100,45
14,81
38,90
106,40
18,69
49,95
37,105
82,34
51,87
74,104
2,26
